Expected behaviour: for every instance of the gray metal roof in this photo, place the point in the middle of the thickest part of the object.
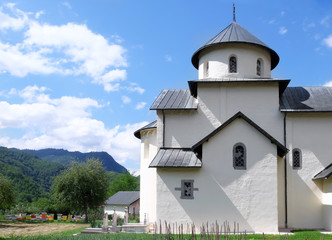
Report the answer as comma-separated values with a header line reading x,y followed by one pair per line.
x,y
324,174
306,99
175,99
137,133
281,149
176,158
235,33
193,84
123,198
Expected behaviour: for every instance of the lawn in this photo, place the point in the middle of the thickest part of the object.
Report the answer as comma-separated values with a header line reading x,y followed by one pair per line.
x,y
57,231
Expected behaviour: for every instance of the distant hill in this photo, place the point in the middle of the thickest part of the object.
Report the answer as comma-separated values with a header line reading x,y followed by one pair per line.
x,y
31,176
65,157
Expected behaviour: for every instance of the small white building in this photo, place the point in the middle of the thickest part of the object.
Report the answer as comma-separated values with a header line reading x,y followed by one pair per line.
x,y
122,200
239,145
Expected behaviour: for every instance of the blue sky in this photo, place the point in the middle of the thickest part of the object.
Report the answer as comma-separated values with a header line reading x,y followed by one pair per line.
x,y
81,75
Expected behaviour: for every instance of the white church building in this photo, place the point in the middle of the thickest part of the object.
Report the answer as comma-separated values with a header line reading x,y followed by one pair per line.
x,y
238,145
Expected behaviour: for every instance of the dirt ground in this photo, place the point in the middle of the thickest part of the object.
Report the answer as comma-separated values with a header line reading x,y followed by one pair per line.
x,y
29,229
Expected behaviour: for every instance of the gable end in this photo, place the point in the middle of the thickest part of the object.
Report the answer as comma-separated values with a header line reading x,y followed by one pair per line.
x,y
281,149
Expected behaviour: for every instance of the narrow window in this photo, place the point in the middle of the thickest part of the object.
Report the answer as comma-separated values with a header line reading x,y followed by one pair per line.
x,y
232,64
259,67
239,156
206,69
297,158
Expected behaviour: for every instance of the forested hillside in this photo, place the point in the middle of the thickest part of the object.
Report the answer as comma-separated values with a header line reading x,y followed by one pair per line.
x,y
65,157
31,176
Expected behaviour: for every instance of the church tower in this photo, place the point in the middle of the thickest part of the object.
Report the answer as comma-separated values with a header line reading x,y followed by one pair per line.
x,y
235,53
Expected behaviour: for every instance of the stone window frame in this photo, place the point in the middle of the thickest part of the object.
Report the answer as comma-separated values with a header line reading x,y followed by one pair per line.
x,y
235,165
297,161
183,189
232,65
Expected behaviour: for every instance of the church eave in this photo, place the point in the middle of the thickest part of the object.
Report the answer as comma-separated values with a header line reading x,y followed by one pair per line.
x,y
274,56
151,125
235,33
283,83
324,174
176,158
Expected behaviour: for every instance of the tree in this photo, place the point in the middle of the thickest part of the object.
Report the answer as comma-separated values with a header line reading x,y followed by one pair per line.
x,y
124,182
7,194
81,187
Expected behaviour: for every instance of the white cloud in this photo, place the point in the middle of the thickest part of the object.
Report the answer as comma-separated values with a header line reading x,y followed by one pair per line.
x,y
328,41
38,14
125,99
69,49
65,122
325,21
67,5
282,30
328,84
134,88
16,22
140,105
282,13
308,26
112,76
168,58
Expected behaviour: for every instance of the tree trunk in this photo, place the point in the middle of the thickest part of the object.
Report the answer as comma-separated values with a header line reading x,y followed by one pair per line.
x,y
86,214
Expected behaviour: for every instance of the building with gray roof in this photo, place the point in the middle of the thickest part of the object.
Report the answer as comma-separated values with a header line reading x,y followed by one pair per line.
x,y
239,145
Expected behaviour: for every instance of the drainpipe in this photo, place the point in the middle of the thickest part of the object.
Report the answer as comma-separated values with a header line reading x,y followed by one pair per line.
x,y
285,144
163,127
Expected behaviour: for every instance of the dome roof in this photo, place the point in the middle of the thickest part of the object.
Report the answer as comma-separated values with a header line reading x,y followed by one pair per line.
x,y
235,33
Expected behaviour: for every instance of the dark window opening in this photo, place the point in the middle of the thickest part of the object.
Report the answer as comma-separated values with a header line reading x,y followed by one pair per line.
x,y
232,65
239,156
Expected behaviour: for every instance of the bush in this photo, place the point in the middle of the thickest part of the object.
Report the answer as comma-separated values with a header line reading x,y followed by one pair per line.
x,y
93,215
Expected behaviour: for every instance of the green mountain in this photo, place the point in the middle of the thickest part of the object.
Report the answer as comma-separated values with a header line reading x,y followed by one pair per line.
x,y
31,176
65,157
32,172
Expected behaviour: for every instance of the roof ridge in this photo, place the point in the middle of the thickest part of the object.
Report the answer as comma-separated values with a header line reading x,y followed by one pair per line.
x,y
282,150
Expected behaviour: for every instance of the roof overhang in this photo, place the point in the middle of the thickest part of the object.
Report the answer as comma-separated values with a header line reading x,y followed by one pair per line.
x,y
176,158
283,83
235,33
324,174
152,125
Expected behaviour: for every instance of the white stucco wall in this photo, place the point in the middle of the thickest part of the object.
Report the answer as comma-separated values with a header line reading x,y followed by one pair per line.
x,y
248,197
148,176
311,133
217,102
119,209
247,55
281,193
327,202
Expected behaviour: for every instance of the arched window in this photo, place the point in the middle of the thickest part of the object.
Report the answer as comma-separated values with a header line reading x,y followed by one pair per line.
x,y
206,68
232,64
297,158
239,156
259,67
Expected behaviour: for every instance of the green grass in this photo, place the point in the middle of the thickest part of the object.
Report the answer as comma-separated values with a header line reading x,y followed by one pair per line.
x,y
68,235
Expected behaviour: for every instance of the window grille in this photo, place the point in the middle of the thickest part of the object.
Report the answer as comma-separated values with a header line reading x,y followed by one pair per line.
x,y
259,67
232,65
297,159
187,189
239,156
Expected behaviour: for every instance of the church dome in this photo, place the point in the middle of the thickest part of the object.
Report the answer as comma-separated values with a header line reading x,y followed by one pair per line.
x,y
234,33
